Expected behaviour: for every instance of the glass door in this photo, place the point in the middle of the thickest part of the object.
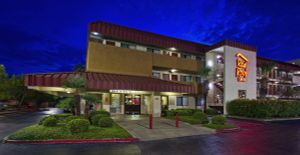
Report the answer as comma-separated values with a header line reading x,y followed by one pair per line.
x,y
115,103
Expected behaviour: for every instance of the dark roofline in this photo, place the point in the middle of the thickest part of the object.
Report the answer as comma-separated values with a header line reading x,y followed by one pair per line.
x,y
232,44
260,60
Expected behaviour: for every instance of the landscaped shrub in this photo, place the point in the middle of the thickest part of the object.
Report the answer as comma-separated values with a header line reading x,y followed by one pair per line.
x,y
184,112
95,119
70,118
61,117
211,111
170,113
101,112
78,125
42,120
105,122
218,120
264,108
50,121
202,117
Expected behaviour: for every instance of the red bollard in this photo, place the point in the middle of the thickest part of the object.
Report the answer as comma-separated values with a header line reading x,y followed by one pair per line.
x,y
150,121
177,120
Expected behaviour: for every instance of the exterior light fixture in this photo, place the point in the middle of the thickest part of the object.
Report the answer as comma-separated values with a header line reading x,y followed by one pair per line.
x,y
275,67
173,70
68,92
95,33
210,85
218,75
210,63
172,49
219,56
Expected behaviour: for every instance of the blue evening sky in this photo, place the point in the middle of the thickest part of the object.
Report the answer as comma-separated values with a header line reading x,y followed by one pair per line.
x,y
51,35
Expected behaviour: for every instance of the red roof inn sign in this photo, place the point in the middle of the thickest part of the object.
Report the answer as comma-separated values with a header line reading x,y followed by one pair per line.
x,y
241,71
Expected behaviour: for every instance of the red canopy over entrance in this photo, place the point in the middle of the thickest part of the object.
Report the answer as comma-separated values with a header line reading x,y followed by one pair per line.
x,y
104,81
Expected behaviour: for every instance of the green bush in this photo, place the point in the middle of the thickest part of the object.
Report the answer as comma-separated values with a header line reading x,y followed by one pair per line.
x,y
219,120
101,112
42,119
185,112
105,122
211,111
95,119
61,117
264,108
50,121
70,118
170,112
202,117
78,125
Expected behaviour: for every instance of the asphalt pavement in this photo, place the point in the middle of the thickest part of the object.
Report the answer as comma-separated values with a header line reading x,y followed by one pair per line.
x,y
254,138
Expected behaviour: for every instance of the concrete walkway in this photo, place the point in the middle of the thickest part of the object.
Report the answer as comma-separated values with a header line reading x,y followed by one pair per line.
x,y
138,126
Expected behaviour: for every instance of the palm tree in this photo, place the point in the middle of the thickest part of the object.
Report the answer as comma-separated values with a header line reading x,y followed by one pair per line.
x,y
78,68
77,83
266,68
204,73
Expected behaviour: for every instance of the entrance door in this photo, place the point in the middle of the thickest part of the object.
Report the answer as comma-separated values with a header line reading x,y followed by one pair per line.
x,y
115,103
164,104
132,104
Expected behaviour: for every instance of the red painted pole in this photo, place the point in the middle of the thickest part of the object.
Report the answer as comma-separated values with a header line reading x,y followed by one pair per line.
x,y
177,120
150,121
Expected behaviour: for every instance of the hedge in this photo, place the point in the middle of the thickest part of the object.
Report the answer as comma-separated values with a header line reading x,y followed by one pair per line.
x,y
263,108
101,112
182,112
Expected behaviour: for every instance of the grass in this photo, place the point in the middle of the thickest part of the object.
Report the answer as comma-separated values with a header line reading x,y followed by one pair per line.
x,y
215,126
39,132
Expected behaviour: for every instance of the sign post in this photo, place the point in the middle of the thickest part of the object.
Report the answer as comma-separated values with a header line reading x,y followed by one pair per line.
x,y
150,121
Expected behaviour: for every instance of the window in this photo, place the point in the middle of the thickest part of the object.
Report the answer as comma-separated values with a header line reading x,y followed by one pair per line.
x,y
174,54
175,77
182,101
111,43
242,94
166,76
186,56
126,45
199,101
153,50
198,79
156,74
186,78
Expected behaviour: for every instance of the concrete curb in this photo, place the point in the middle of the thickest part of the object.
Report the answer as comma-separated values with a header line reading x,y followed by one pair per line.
x,y
68,141
265,120
228,130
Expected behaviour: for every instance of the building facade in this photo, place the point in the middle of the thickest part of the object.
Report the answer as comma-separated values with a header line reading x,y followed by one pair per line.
x,y
138,72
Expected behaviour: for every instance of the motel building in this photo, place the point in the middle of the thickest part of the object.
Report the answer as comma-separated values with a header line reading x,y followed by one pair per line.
x,y
138,72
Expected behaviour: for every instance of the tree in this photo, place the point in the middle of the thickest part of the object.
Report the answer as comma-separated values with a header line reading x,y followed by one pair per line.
x,y
90,99
204,73
77,83
78,68
266,68
66,103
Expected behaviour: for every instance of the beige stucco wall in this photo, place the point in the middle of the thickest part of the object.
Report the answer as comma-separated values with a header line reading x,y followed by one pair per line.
x,y
112,59
231,85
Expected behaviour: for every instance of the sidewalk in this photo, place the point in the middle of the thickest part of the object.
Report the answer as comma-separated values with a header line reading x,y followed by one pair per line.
x,y
138,126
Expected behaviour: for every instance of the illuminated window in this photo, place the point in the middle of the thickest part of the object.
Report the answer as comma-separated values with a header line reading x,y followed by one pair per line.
x,y
182,101
166,76
111,43
174,77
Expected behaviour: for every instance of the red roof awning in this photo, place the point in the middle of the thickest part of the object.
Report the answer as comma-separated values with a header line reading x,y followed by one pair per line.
x,y
105,81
